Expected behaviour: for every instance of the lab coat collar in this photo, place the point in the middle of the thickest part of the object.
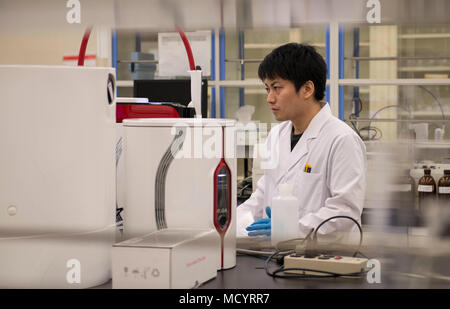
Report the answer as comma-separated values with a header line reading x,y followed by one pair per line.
x,y
317,122
302,147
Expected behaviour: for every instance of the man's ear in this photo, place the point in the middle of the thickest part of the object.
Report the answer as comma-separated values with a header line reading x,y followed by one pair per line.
x,y
308,90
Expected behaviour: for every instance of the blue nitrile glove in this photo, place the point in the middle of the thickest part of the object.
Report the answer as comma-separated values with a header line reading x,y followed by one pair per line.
x,y
261,226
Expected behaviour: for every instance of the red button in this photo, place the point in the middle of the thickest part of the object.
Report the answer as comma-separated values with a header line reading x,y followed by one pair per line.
x,y
338,257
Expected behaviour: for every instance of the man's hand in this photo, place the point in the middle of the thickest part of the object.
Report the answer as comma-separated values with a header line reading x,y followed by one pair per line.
x,y
261,226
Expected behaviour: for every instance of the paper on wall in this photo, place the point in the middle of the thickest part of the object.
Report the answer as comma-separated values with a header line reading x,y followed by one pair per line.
x,y
173,60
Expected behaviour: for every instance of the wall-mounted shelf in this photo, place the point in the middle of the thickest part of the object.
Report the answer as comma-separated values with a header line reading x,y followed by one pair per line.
x,y
426,113
391,82
424,69
424,36
124,83
342,82
364,90
395,120
255,91
432,145
274,45
236,83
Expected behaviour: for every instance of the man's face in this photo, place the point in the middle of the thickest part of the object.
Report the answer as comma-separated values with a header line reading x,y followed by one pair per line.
x,y
285,102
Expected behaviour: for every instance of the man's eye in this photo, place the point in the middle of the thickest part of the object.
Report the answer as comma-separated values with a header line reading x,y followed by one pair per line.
x,y
267,90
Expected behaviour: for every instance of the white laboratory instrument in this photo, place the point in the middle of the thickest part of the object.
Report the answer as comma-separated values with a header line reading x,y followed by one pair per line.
x,y
119,161
166,259
57,188
178,174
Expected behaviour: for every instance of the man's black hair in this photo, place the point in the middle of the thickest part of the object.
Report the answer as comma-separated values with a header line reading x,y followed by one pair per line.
x,y
297,63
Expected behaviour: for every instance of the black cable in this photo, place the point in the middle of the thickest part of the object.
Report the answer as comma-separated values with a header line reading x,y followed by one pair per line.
x,y
435,99
354,99
243,188
363,255
359,101
293,239
374,137
370,128
252,255
266,264
386,107
342,217
326,274
353,116
381,133
369,137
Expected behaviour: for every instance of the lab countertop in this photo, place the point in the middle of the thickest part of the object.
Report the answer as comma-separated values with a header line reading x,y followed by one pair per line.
x,y
249,273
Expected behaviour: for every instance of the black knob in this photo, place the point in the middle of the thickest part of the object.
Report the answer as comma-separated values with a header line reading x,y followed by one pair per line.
x,y
223,220
110,89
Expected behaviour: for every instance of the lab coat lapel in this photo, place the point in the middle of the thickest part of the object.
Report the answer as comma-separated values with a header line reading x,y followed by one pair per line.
x,y
300,150
284,150
304,144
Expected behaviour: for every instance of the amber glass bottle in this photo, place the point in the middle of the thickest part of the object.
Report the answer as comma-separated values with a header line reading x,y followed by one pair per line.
x,y
444,187
426,189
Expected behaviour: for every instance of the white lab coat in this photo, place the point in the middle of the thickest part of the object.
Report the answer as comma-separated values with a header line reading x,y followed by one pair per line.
x,y
335,186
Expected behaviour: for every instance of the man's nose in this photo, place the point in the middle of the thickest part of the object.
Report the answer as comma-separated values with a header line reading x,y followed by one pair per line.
x,y
270,97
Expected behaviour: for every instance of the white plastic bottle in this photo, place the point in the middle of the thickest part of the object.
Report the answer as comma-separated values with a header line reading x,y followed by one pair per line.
x,y
284,215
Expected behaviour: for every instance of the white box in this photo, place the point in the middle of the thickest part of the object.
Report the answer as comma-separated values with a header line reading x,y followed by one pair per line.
x,y
169,258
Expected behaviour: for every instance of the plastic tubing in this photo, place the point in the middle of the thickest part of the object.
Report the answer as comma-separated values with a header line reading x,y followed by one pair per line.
x,y
83,45
188,48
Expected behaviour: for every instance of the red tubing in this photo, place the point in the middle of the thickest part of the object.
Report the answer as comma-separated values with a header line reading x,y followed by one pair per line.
x,y
84,43
188,48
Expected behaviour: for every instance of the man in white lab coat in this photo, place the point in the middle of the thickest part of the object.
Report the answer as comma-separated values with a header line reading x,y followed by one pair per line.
x,y
322,158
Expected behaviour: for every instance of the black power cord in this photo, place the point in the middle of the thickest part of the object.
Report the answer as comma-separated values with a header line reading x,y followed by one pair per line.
x,y
370,137
371,128
325,274
341,217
